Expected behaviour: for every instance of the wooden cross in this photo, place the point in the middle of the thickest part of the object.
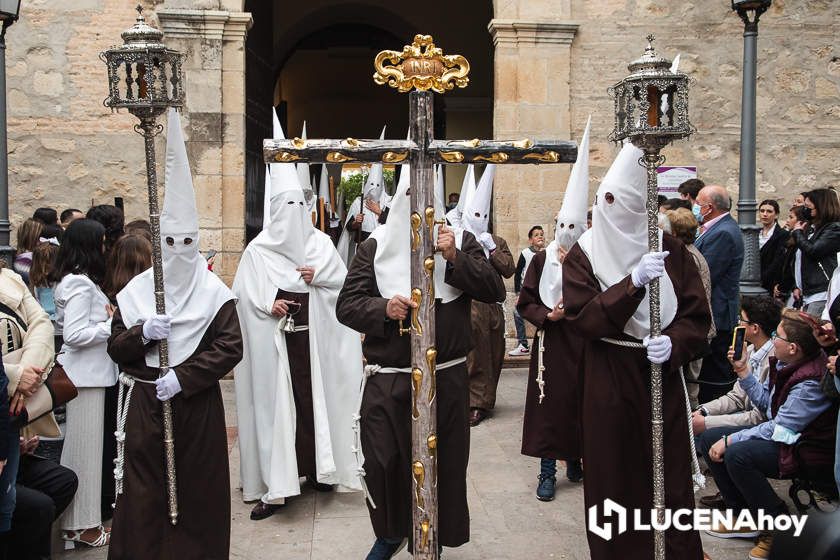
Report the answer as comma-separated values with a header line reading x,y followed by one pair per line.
x,y
421,67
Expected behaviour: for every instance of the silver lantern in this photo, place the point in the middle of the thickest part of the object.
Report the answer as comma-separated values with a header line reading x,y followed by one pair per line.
x,y
145,77
651,110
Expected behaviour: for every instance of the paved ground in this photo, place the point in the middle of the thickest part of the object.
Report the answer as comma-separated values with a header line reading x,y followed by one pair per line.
x,y
508,523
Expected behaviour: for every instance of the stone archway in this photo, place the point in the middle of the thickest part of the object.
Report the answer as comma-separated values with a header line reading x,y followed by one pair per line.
x,y
314,62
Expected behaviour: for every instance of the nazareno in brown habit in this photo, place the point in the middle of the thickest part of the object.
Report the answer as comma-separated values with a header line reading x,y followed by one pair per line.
x,y
141,528
551,430
616,411
386,404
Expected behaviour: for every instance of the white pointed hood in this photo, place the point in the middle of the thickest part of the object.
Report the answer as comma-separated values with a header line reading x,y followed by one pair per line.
x,y
571,223
304,177
456,215
392,261
477,209
618,237
440,191
193,294
324,189
283,242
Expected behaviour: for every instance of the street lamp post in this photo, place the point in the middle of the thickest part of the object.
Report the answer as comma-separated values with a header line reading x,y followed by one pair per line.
x,y
145,77
651,110
9,13
750,11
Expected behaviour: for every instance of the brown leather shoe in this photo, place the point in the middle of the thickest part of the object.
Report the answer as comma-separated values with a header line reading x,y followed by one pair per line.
x,y
263,510
319,486
477,416
715,501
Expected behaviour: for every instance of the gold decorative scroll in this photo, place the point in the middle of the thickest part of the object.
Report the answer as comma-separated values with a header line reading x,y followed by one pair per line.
x,y
352,143
298,143
431,361
421,66
548,157
474,143
416,221
429,267
416,297
424,531
419,472
495,157
417,381
338,157
285,157
431,445
430,221
394,157
524,144
452,157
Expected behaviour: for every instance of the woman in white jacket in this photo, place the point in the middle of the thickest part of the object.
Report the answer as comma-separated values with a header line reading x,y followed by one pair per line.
x,y
83,313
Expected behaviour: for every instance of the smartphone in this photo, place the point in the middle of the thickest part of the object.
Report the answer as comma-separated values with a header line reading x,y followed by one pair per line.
x,y
210,254
738,338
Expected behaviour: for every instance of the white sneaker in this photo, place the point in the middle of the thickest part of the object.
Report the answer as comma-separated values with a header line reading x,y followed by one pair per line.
x,y
519,351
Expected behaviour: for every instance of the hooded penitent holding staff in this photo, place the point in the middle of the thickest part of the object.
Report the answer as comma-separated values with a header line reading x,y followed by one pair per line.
x,y
202,330
606,302
551,428
484,362
373,301
297,386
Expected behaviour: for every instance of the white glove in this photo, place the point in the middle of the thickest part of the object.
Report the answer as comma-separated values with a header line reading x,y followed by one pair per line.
x,y
157,327
486,241
658,349
167,386
651,265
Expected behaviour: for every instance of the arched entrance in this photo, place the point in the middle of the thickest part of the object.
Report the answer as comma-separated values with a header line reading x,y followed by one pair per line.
x,y
314,62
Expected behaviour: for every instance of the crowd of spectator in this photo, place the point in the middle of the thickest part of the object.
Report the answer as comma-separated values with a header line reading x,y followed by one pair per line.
x,y
56,304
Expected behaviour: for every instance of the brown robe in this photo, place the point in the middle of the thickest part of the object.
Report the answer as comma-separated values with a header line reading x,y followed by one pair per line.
x,y
484,362
141,528
300,368
616,410
386,404
551,430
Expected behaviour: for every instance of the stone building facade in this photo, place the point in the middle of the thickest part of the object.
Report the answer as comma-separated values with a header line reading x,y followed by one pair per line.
x,y
541,66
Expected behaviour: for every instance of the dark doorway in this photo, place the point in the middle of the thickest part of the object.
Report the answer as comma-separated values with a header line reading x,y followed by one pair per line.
x,y
314,62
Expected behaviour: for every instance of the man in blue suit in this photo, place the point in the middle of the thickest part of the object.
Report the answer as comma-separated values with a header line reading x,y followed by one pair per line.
x,y
721,244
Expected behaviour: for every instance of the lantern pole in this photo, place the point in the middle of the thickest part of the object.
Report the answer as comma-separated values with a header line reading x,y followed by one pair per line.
x,y
651,109
138,81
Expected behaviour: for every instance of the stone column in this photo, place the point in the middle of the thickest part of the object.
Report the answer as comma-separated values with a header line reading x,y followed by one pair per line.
x,y
214,75
531,88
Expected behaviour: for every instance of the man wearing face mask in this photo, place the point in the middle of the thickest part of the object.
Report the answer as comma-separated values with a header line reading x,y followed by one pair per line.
x,y
551,428
374,301
205,343
721,244
605,278
299,380
484,362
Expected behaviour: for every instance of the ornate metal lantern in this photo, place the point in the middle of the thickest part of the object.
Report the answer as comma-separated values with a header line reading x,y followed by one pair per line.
x,y
144,76
651,104
651,110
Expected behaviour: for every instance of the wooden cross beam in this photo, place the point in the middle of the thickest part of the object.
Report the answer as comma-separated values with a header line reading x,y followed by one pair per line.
x,y
422,67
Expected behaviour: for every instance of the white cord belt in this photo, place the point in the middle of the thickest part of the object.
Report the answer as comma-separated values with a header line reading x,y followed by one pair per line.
x,y
540,366
370,371
696,475
126,387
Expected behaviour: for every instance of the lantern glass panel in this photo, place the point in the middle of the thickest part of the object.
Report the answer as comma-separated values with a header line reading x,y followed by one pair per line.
x,y
9,9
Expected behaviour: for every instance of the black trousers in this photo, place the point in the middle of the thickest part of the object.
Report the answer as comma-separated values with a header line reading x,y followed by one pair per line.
x,y
44,490
716,375
742,476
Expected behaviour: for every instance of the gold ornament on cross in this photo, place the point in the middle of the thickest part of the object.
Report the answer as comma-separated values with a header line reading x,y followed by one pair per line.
x,y
421,66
